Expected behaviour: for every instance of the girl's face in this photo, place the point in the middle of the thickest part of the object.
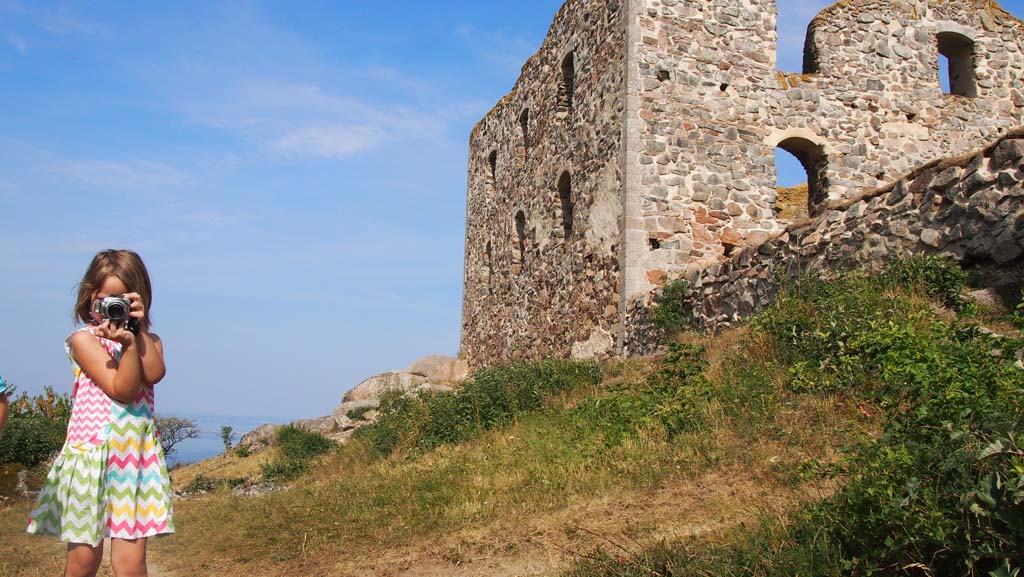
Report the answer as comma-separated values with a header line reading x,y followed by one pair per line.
x,y
111,286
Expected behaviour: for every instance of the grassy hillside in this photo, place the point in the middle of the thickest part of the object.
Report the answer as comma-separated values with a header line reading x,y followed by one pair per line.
x,y
861,426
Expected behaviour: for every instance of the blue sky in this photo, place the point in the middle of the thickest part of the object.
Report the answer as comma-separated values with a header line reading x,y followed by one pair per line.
x,y
292,173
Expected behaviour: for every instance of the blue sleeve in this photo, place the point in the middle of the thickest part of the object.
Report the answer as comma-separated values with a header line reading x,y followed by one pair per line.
x,y
3,386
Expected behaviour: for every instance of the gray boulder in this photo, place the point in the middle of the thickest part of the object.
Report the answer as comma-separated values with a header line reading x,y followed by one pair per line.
x,y
346,408
258,438
439,368
374,387
989,297
320,425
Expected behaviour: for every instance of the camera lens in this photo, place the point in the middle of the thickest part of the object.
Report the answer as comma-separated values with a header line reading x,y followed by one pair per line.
x,y
116,311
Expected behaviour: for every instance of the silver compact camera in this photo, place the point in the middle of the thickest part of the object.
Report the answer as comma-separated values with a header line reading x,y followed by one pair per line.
x,y
116,309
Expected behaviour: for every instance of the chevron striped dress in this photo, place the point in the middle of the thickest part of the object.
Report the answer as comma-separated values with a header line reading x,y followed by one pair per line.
x,y
110,478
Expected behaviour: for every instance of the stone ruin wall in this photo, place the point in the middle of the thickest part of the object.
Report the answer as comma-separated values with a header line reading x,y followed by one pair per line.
x,y
971,208
706,109
678,110
557,289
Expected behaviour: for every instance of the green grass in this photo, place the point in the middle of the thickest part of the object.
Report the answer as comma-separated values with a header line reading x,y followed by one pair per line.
x,y
520,455
938,492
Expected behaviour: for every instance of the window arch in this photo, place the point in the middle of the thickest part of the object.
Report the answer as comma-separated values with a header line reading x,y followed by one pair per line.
x,y
565,203
519,248
956,59
492,163
524,128
567,87
489,268
814,161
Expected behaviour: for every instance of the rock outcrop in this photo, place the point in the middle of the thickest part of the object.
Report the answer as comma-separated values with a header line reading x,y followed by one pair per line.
x,y
436,373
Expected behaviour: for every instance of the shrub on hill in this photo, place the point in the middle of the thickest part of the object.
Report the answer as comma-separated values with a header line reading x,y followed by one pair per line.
x,y
940,491
490,398
296,448
36,428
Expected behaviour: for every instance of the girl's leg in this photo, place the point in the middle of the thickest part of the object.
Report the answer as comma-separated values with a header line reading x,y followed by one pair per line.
x,y
83,560
128,557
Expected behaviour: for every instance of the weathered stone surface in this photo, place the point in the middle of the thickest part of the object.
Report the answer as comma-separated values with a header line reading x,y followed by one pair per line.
x,y
375,386
439,368
601,344
1008,152
677,111
988,297
320,425
991,232
346,408
259,437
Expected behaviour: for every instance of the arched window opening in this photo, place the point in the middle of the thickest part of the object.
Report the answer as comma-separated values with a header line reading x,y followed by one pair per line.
x,y
567,86
565,203
519,248
492,162
956,65
802,178
524,127
489,269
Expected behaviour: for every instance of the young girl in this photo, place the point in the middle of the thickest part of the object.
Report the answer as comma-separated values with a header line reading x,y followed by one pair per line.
x,y
110,479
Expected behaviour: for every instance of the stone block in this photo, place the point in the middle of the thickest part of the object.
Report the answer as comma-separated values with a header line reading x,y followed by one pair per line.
x,y
1008,152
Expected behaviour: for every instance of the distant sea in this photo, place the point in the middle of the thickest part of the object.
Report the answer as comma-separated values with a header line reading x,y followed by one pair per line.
x,y
209,442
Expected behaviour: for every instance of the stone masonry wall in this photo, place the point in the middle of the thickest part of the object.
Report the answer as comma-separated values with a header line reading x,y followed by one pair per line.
x,y
557,287
669,147
971,208
706,110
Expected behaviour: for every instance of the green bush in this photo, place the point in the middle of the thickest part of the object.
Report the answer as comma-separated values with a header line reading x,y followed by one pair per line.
x,y
203,484
36,428
939,492
938,277
491,398
297,448
673,398
672,308
296,443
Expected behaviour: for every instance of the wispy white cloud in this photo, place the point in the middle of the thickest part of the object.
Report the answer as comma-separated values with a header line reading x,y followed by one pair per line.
x,y
124,173
19,43
329,140
306,120
59,21
120,173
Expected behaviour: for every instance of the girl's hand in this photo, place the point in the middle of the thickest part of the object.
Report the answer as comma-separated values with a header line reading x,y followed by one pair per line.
x,y
116,332
138,311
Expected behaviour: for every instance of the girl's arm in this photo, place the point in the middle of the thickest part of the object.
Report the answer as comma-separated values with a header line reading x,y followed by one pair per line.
x,y
123,380
151,348
151,352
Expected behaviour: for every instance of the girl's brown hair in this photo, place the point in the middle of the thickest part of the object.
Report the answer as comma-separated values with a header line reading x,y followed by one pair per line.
x,y
127,266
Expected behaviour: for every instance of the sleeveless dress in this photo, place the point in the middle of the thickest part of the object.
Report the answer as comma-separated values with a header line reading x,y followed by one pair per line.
x,y
110,478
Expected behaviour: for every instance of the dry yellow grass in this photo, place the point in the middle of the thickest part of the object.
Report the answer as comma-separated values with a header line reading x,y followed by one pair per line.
x,y
523,500
25,555
221,467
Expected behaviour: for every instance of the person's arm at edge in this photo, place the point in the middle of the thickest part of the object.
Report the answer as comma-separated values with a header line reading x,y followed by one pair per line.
x,y
3,411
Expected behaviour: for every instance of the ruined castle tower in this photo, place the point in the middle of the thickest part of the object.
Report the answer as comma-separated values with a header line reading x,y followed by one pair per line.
x,y
639,143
